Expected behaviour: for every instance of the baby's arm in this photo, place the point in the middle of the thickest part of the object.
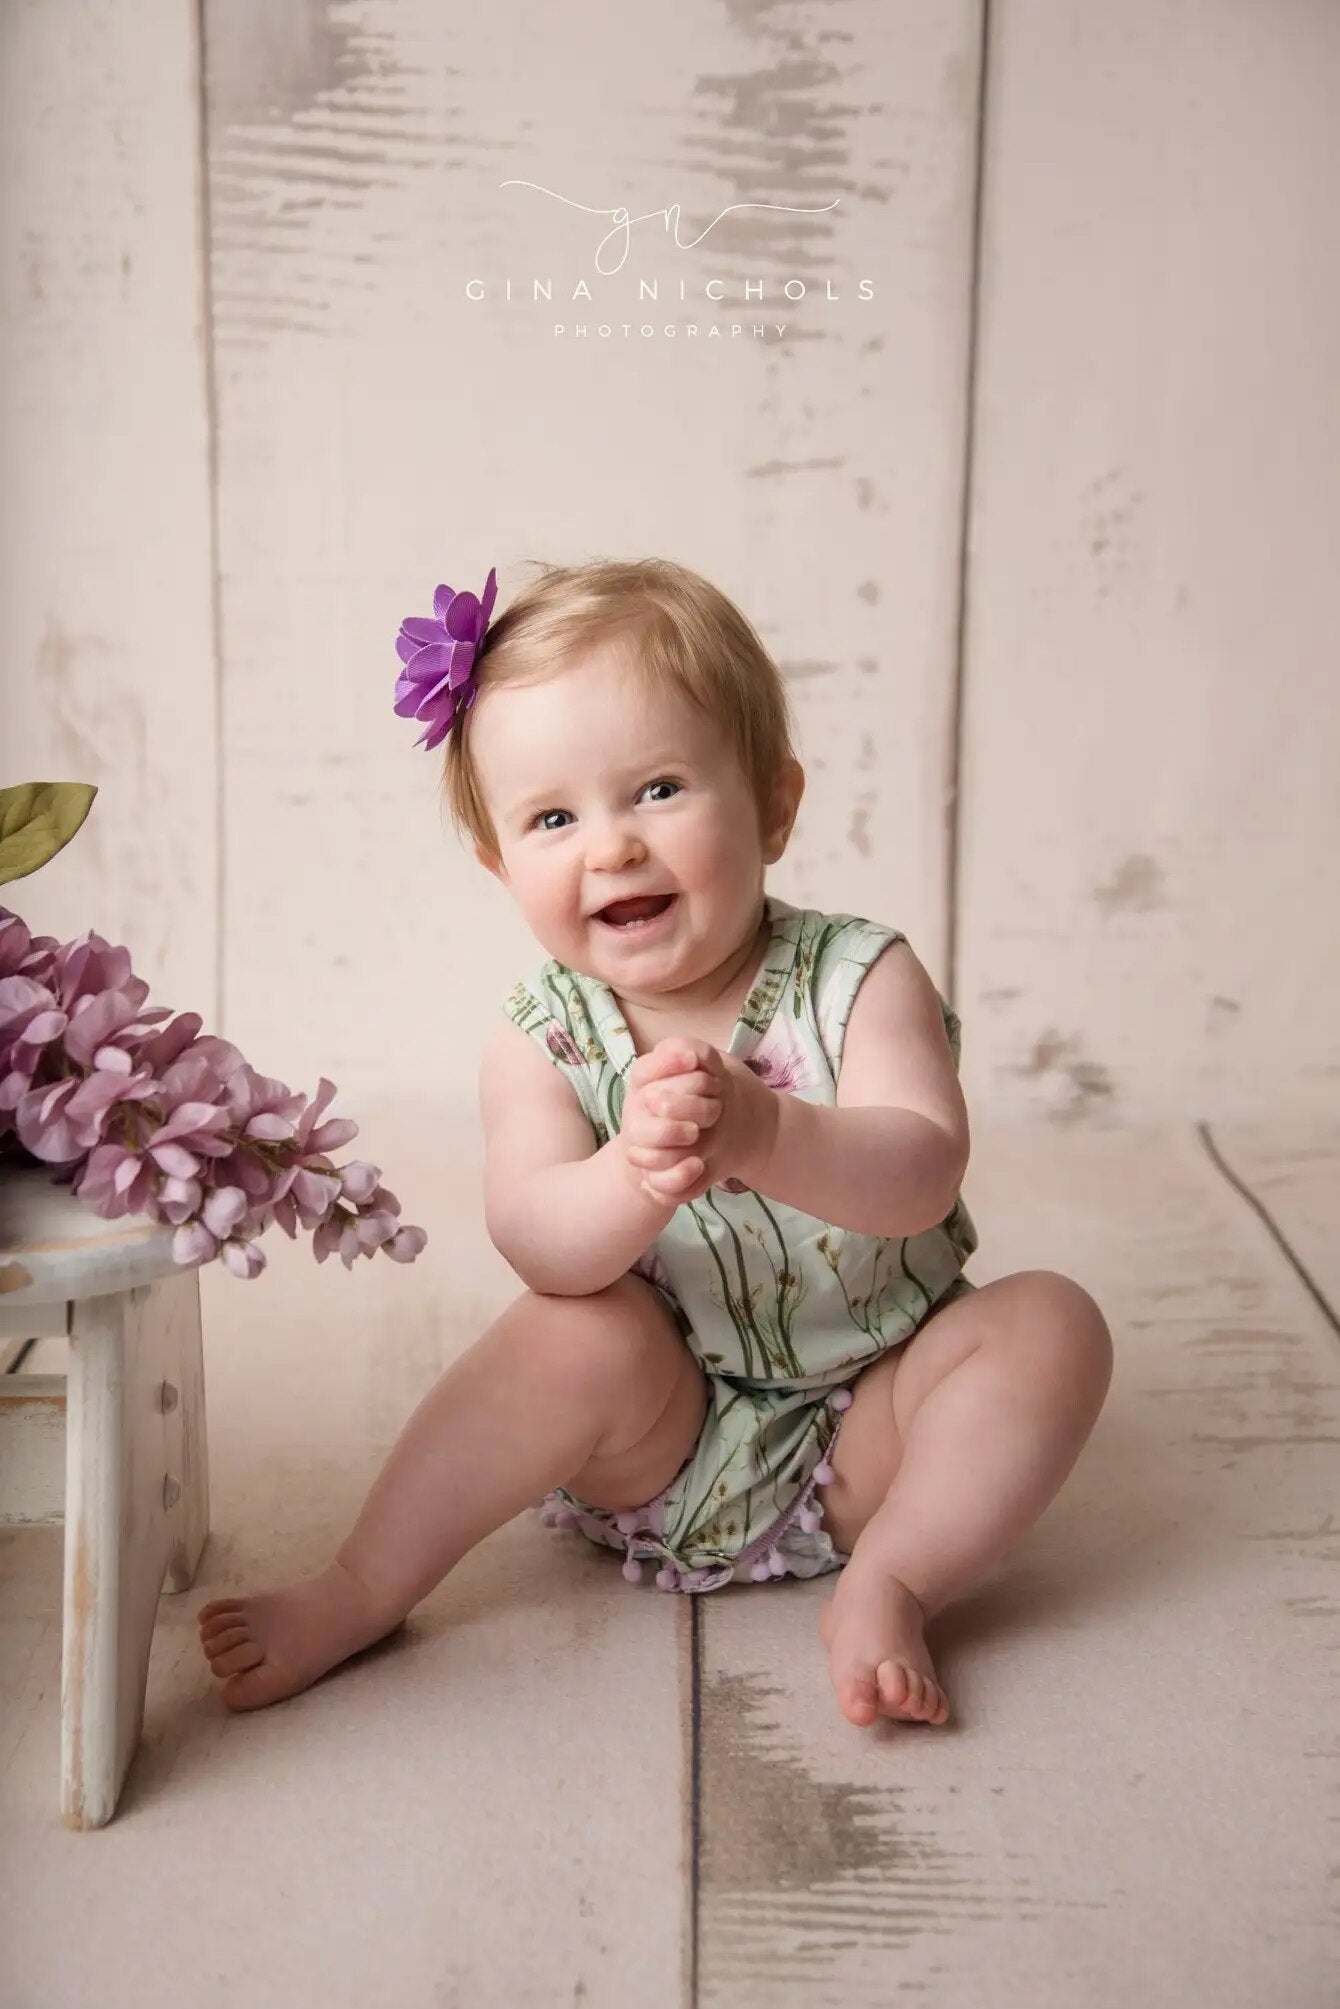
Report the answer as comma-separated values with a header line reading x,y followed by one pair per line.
x,y
565,1214
890,1158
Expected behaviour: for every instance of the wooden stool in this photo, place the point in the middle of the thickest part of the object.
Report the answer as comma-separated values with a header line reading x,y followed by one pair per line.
x,y
128,1423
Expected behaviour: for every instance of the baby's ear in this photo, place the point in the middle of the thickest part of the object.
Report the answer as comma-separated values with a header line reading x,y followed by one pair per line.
x,y
786,808
488,861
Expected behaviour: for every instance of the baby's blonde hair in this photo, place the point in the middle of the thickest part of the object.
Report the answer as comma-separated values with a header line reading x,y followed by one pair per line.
x,y
684,635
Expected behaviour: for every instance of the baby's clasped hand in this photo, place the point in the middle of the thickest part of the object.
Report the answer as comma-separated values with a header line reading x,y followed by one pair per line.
x,y
693,1116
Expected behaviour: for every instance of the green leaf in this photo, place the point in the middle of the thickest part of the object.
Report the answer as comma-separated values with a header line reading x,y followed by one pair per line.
x,y
38,819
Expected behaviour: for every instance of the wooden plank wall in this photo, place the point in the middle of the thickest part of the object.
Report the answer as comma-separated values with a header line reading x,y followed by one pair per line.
x,y
1121,398
108,664
1150,861
381,431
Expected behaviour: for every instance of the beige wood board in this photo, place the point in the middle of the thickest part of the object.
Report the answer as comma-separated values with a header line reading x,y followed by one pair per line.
x,y
1148,845
1292,1173
380,432
107,646
1137,1797
489,1806
1150,840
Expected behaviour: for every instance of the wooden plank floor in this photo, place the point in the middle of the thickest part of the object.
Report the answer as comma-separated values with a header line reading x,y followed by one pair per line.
x,y
557,1787
1145,1686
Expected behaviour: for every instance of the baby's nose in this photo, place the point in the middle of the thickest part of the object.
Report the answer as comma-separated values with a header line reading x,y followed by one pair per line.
x,y
615,843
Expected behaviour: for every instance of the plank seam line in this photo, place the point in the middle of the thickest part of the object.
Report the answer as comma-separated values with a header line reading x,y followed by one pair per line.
x,y
1295,1261
205,234
695,1792
953,805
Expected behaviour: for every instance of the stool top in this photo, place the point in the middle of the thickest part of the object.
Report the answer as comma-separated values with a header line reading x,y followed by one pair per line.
x,y
53,1247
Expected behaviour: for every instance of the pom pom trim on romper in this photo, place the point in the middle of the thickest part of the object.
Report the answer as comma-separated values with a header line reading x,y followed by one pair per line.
x,y
764,1556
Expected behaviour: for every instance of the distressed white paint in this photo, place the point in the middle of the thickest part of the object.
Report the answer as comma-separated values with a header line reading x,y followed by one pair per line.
x,y
380,432
514,1769
106,635
1151,827
1293,1169
1075,1833
137,1509
125,1430
53,1247
1148,837
32,1449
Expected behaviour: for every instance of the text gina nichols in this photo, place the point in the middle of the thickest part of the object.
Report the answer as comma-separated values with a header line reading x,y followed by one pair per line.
x,y
623,221
649,289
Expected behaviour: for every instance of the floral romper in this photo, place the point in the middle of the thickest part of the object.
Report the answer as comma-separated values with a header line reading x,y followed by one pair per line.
x,y
782,1310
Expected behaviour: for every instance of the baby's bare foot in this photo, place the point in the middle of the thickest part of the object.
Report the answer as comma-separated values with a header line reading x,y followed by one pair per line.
x,y
872,1627
276,1642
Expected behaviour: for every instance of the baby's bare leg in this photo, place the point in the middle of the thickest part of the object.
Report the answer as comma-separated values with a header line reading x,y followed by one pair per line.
x,y
598,1392
990,1407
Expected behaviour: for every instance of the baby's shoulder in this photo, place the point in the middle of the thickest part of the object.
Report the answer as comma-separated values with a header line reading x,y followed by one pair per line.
x,y
836,948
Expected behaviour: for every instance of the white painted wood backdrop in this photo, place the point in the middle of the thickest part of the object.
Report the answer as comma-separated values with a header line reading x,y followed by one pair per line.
x,y
1053,512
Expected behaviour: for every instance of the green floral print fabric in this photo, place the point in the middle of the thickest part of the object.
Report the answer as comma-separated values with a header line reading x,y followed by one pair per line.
x,y
782,1310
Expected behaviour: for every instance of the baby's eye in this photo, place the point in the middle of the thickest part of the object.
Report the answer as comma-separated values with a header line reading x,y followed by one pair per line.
x,y
662,781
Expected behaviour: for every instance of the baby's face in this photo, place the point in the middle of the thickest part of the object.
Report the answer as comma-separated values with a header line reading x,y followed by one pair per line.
x,y
600,793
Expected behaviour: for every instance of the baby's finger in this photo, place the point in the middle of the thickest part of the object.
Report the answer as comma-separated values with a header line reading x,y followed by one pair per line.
x,y
644,1110
654,1158
656,1191
661,1062
677,1177
670,1057
662,1131
660,1093
678,1107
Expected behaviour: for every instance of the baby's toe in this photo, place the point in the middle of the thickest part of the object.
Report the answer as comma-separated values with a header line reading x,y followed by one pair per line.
x,y
257,1688
895,1686
857,1697
935,1707
908,1693
227,1621
222,1621
228,1636
237,1659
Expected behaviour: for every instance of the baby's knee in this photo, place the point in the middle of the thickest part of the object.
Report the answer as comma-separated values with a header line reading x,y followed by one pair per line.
x,y
1063,1316
1058,1299
652,1391
623,1336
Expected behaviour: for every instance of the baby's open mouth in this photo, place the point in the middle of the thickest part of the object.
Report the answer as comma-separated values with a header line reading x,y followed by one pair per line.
x,y
630,915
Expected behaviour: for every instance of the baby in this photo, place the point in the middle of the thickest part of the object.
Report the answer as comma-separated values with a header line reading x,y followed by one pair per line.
x,y
724,1145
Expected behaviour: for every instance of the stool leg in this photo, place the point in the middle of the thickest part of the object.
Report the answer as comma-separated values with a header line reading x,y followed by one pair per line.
x,y
124,1522
188,1444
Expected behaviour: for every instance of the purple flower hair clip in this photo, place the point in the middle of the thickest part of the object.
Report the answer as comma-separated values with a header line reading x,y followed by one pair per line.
x,y
437,683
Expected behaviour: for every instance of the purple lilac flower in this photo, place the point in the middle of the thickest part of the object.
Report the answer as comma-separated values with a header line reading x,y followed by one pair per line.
x,y
145,1115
